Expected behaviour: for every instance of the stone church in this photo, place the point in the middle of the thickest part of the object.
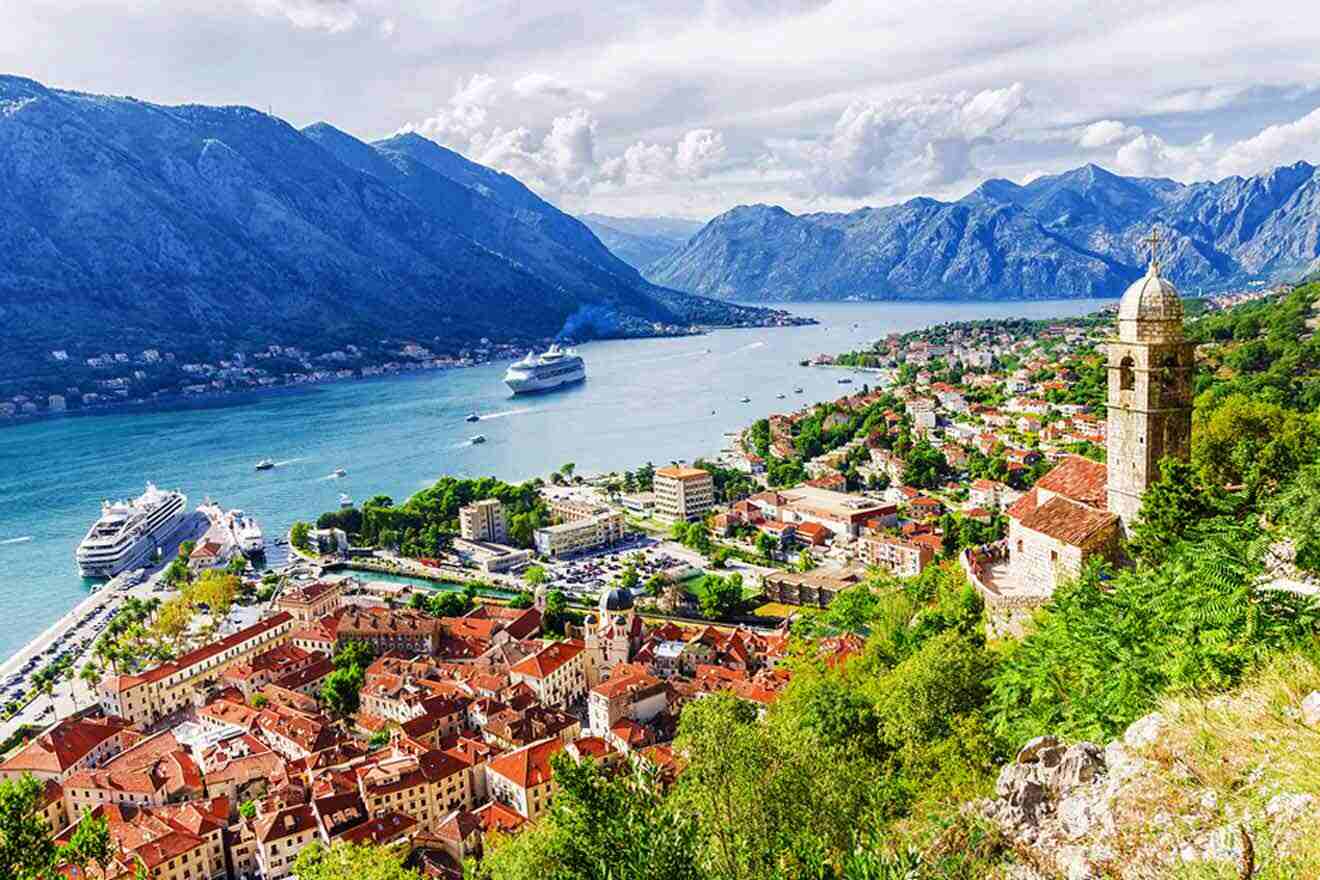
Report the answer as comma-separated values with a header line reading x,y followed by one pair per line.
x,y
1081,508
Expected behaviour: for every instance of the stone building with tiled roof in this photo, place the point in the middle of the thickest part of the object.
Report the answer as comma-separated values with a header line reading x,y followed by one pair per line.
x,y
1080,509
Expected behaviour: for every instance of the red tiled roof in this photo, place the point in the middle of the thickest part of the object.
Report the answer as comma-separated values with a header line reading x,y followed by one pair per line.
x,y
64,745
1024,506
495,816
165,670
545,661
1077,478
528,766
1068,521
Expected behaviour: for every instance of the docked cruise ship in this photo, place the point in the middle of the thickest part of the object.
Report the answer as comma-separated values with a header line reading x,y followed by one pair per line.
x,y
128,532
544,372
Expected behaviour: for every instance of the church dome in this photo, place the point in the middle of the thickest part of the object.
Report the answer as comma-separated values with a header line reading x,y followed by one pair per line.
x,y
617,599
1152,298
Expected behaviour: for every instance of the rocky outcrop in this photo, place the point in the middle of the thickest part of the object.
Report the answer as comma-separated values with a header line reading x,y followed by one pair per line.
x,y
1065,235
1132,809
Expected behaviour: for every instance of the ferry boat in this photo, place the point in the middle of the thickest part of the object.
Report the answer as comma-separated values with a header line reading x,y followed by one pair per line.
x,y
552,369
265,464
247,534
129,532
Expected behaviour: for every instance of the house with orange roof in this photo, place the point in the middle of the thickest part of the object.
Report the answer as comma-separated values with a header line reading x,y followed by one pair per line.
x,y
72,744
523,779
154,771
557,673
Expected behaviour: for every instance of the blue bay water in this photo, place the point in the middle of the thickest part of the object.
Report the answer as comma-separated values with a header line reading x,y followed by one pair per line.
x,y
652,399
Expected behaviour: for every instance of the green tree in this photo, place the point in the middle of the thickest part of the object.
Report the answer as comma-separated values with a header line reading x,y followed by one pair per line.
x,y
556,612
341,691
720,596
767,546
535,575
348,861
299,536
27,849
1170,507
805,561
600,826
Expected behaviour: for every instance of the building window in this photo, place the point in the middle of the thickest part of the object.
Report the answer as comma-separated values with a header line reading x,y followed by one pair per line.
x,y
1127,379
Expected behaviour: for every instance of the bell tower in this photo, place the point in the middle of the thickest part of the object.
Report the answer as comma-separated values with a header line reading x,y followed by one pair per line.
x,y
1150,388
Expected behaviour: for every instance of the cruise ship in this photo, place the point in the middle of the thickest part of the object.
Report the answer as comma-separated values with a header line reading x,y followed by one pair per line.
x,y
544,372
128,532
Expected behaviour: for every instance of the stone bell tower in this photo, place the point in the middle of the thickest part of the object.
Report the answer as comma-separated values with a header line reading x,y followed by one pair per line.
x,y
1150,389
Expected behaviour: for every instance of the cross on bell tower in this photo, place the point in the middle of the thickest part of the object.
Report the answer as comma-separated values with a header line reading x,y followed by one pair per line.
x,y
1153,241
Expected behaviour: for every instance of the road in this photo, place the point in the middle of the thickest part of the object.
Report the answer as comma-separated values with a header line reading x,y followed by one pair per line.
x,y
75,631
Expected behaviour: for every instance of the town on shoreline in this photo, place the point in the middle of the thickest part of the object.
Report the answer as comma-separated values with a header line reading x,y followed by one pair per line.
x,y
416,670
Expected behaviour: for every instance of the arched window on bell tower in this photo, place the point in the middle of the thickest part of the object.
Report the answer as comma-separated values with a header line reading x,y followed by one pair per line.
x,y
1127,376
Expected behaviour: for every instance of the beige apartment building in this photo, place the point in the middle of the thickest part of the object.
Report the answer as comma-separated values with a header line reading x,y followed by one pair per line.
x,y
580,535
483,521
903,558
683,493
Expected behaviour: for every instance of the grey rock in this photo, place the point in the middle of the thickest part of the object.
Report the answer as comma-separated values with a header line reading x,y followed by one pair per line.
x,y
1144,732
1311,709
1080,765
1041,749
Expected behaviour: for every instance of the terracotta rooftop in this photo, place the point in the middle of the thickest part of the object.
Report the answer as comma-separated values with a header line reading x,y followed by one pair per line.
x,y
192,658
528,766
1068,521
545,661
1077,478
64,745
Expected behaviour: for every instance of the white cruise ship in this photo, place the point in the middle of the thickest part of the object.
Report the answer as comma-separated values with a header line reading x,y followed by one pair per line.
x,y
552,369
128,532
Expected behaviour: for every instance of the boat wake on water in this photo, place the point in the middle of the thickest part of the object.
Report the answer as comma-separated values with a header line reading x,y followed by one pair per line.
x,y
288,461
507,412
22,540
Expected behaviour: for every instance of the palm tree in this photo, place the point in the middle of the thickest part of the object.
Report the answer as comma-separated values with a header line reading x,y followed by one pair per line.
x,y
91,676
48,688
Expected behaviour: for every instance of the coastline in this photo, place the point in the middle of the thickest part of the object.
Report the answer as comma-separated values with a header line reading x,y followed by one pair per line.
x,y
183,400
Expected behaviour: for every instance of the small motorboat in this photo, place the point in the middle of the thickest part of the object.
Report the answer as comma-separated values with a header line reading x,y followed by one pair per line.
x,y
479,438
265,464
472,417
780,396
340,472
345,501
797,390
845,381
745,400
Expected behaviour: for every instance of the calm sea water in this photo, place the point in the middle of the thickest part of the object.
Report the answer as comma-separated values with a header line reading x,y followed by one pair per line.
x,y
656,400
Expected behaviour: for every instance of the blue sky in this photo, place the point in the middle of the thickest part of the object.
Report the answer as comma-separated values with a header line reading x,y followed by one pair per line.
x,y
688,107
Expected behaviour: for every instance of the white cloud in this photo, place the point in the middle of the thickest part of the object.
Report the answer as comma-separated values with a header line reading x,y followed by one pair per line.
x,y
567,159
1149,155
879,147
543,85
1104,133
1274,146
332,16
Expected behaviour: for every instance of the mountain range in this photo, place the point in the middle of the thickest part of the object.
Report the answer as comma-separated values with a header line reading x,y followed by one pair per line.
x,y
640,241
1077,234
202,230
